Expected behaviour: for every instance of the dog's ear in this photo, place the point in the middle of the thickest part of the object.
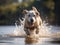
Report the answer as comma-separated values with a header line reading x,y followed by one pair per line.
x,y
36,11
25,12
33,8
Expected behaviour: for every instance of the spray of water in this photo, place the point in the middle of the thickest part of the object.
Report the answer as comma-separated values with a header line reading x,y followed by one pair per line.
x,y
19,30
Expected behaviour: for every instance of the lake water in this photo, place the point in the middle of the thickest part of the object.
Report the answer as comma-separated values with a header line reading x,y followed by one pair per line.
x,y
21,41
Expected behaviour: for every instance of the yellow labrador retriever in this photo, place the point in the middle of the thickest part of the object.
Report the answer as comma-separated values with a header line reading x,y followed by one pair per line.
x,y
33,21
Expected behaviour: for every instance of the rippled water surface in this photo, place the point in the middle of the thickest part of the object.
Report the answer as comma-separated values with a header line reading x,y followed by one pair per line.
x,y
21,41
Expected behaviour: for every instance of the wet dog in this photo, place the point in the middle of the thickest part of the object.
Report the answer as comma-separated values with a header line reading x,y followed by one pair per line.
x,y
32,22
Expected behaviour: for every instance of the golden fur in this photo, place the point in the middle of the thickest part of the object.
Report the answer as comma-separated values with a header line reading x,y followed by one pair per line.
x,y
36,24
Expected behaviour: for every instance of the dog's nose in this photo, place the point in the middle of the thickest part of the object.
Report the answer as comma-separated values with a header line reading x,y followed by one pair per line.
x,y
31,20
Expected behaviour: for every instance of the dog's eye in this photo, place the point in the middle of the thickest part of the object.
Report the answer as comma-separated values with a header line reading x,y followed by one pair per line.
x,y
29,15
33,15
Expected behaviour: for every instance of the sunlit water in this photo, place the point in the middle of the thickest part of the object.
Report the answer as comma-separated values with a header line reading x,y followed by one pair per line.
x,y
18,30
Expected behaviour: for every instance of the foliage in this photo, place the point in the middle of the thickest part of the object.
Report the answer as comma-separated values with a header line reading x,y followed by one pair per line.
x,y
11,10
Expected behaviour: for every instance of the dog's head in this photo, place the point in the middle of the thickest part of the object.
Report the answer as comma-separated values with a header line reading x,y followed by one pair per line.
x,y
31,15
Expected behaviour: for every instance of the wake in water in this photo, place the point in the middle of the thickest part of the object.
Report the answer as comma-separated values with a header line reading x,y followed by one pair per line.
x,y
45,31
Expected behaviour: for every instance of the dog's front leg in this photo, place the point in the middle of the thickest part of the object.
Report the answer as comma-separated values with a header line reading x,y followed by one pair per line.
x,y
37,30
26,31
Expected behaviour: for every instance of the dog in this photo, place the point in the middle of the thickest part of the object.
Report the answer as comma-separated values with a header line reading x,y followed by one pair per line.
x,y
32,22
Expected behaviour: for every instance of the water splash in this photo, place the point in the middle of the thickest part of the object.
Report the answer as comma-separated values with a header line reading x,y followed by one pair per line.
x,y
16,31
44,29
19,30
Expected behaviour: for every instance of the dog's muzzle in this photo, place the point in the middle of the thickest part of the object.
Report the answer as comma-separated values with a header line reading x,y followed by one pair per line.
x,y
31,20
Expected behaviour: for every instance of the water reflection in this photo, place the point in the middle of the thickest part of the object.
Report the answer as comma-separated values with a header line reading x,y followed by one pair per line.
x,y
29,41
4,40
43,41
55,41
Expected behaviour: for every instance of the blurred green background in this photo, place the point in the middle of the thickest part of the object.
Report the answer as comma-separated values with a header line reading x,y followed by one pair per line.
x,y
11,10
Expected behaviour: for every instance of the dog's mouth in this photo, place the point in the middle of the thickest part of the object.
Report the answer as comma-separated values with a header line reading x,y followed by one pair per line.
x,y
30,23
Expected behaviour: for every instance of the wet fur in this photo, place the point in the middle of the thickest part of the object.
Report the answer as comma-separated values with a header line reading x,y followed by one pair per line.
x,y
37,24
